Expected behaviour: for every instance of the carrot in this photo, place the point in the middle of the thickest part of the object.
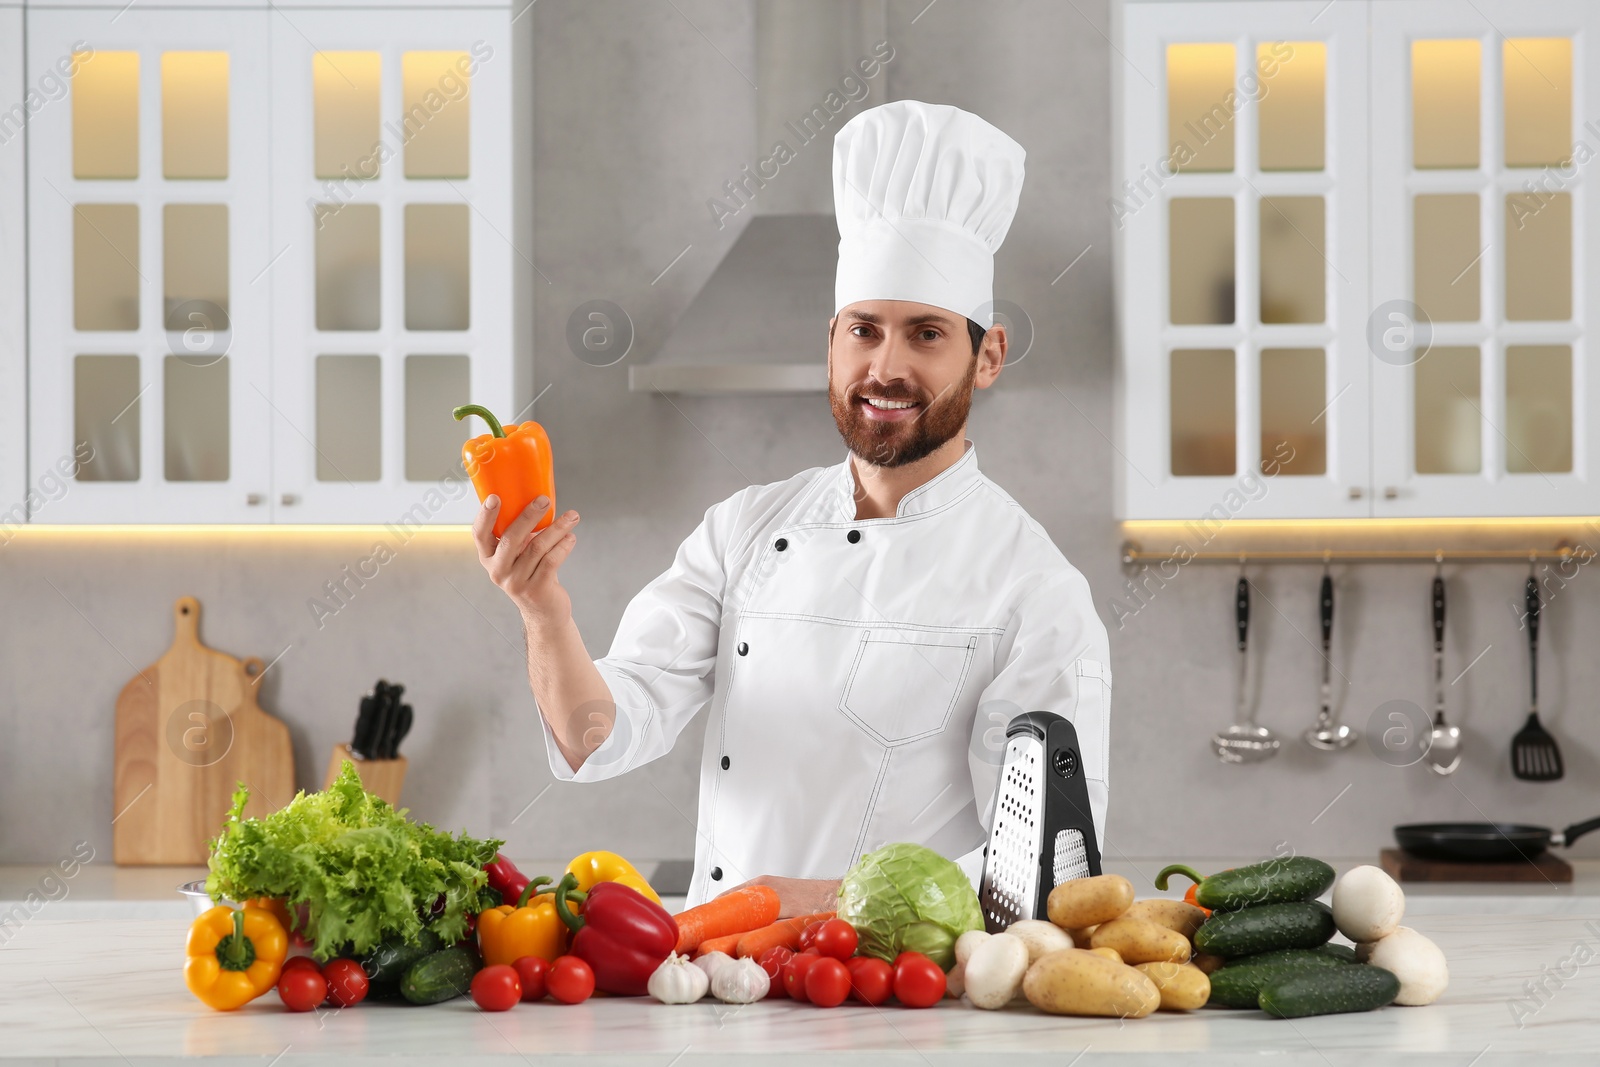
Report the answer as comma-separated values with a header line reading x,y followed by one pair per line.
x,y
737,912
726,943
784,933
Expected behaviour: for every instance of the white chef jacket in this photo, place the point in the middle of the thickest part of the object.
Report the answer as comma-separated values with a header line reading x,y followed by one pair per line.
x,y
860,674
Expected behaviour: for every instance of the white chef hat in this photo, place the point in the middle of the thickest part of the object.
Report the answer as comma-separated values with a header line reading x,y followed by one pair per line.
x,y
924,195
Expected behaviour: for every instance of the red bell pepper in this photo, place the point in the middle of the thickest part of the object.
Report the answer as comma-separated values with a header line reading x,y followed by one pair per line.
x,y
505,879
622,935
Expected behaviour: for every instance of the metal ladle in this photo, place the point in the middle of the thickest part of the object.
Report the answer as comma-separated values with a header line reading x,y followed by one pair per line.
x,y
1327,734
1244,741
1444,743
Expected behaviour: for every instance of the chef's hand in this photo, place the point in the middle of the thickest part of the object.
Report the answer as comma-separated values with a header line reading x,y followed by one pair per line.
x,y
799,896
524,564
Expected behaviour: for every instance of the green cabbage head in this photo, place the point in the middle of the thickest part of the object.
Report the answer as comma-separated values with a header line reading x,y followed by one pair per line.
x,y
907,898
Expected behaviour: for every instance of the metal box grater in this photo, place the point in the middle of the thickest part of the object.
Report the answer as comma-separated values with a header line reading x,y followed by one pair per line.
x,y
1043,831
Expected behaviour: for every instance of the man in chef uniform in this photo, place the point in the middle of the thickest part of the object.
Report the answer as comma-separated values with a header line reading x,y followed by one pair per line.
x,y
859,634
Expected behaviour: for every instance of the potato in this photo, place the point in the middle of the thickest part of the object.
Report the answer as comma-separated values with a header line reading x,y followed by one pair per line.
x,y
1088,901
1080,936
1177,915
1108,953
1142,941
955,983
1207,962
1183,986
1075,982
1040,937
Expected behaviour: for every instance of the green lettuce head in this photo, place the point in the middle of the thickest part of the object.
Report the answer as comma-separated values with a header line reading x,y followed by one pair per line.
x,y
907,898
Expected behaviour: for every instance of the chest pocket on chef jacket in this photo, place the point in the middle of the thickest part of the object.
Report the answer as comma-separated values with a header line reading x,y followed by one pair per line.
x,y
904,684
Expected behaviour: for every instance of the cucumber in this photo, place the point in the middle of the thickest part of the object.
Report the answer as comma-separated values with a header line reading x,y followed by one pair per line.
x,y
387,964
1328,991
442,976
1240,986
1305,924
1323,954
1275,881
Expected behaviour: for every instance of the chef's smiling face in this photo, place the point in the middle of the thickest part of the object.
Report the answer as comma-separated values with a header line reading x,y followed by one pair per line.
x,y
901,376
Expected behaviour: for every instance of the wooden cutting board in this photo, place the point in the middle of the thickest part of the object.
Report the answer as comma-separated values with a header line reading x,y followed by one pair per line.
x,y
1404,867
188,729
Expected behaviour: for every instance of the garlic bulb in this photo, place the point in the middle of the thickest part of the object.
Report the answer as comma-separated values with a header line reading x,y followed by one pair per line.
x,y
677,981
741,982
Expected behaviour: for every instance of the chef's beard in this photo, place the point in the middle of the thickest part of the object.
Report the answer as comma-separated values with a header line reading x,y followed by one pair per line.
x,y
895,444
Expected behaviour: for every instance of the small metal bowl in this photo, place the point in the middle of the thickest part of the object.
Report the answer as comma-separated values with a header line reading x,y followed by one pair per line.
x,y
199,898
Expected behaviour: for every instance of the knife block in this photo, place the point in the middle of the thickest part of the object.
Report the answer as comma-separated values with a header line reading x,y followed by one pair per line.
x,y
381,776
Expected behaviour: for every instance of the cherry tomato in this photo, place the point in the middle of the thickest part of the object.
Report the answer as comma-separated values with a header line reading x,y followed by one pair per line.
x,y
794,974
302,988
918,981
871,979
347,982
570,980
827,983
296,962
496,988
772,962
532,970
835,938
809,935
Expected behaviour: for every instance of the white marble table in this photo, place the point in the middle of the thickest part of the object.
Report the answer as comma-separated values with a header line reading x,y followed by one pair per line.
x,y
109,991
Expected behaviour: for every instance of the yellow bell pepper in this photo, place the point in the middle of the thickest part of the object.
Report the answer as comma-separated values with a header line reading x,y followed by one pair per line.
x,y
593,868
232,957
531,927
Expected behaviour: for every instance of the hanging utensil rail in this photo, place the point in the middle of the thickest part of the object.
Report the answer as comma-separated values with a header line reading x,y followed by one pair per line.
x,y
1133,552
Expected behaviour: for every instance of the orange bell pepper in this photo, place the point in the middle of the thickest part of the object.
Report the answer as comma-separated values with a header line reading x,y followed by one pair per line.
x,y
512,462
232,957
592,868
530,927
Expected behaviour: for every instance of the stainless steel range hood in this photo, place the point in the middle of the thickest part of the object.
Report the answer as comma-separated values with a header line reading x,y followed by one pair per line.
x,y
760,322
772,295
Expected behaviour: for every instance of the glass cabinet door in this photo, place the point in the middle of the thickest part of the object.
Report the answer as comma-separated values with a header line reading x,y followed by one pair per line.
x,y
1480,400
1240,207
148,314
392,196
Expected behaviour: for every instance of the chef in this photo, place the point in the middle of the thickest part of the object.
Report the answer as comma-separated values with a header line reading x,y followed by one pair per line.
x,y
859,635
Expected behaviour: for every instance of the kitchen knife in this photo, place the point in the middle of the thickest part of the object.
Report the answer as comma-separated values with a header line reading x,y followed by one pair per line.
x,y
361,742
381,720
391,735
402,727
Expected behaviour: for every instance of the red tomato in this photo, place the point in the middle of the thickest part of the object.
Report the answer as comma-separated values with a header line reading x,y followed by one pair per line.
x,y
809,935
496,988
302,988
836,938
570,980
296,962
918,981
347,982
827,983
532,970
794,974
772,962
871,979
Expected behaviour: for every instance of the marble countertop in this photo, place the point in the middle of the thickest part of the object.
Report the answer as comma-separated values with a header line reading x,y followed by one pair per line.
x,y
109,991
94,977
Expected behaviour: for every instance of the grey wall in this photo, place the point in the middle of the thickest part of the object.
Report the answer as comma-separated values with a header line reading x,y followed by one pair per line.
x,y
639,116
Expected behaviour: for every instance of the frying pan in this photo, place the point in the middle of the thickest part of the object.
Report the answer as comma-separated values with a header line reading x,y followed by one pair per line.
x,y
1489,842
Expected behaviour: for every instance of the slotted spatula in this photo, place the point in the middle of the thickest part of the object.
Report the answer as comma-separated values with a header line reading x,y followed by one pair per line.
x,y
1535,756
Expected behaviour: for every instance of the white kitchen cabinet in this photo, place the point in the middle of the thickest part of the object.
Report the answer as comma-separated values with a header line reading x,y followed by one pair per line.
x,y
1492,234
234,329
1277,229
13,272
392,210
